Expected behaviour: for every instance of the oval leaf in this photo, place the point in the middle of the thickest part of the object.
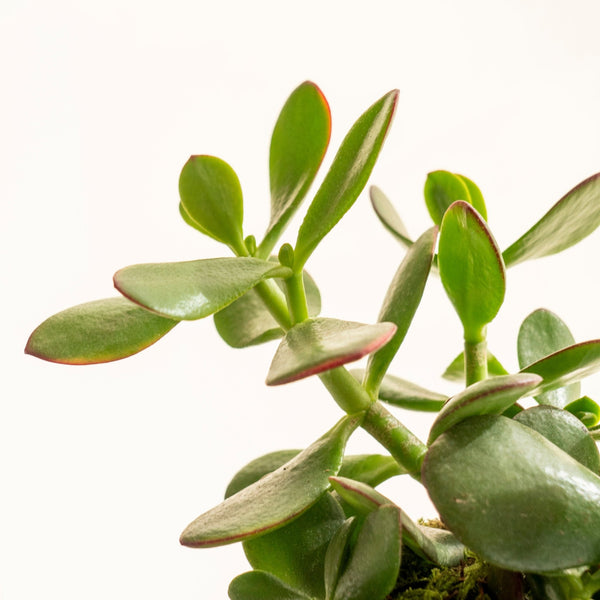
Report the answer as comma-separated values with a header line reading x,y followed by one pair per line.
x,y
298,145
372,567
405,394
401,303
276,499
97,332
456,369
442,189
488,397
566,366
388,216
476,197
541,334
295,553
471,268
247,322
436,545
371,469
347,176
572,218
490,471
565,431
211,196
586,410
194,289
258,584
318,345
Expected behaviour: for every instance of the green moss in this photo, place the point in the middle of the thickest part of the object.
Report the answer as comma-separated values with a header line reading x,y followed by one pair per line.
x,y
419,580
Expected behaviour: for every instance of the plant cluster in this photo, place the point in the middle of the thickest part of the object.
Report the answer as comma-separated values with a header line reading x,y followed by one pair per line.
x,y
519,488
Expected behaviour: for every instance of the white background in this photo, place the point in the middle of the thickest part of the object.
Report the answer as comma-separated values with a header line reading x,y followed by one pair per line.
x,y
102,103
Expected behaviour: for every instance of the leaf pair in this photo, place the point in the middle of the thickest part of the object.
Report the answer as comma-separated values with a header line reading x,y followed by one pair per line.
x,y
164,294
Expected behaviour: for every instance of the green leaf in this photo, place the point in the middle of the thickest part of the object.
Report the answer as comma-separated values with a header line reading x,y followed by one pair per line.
x,y
372,568
318,345
186,217
405,394
471,268
295,553
400,304
258,584
336,556
456,369
388,216
437,545
247,322
257,468
372,469
443,188
488,397
566,366
572,218
513,497
565,431
476,197
277,498
298,145
347,176
211,196
541,334
194,289
97,332
586,410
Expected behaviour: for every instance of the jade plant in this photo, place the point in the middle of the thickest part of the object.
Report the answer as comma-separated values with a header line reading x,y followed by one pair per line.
x,y
510,463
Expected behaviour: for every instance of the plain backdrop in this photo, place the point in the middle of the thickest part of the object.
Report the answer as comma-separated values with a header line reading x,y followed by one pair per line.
x,y
102,467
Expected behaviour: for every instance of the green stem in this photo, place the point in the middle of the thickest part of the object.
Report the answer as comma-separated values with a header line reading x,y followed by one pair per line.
x,y
296,297
402,444
476,358
275,302
346,391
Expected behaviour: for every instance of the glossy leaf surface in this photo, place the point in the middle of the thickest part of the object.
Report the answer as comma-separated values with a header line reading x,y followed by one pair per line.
x,y
336,556
513,497
488,397
405,394
572,218
372,469
318,345
456,369
400,304
475,195
347,176
97,332
247,322
298,145
566,366
541,334
374,561
471,268
193,289
388,216
436,545
586,410
211,196
442,189
276,499
565,431
258,584
295,553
